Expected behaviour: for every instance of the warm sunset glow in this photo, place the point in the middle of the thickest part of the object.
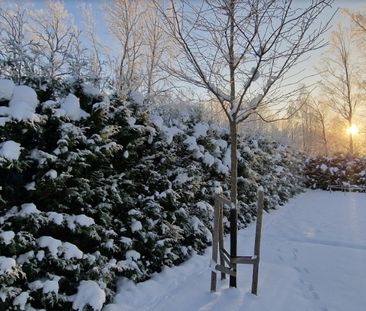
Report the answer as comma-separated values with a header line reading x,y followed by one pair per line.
x,y
352,130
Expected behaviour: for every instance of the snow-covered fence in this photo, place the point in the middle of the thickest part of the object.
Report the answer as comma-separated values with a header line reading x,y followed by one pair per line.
x,y
229,261
347,187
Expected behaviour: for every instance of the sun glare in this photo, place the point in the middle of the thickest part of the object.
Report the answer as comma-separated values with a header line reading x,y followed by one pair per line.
x,y
352,130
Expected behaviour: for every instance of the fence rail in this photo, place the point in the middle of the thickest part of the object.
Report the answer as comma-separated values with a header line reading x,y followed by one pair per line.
x,y
347,188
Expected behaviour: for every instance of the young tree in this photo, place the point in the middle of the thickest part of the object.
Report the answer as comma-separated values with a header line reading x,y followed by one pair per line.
x,y
99,68
155,44
358,25
240,51
321,110
15,43
56,41
125,21
307,129
340,78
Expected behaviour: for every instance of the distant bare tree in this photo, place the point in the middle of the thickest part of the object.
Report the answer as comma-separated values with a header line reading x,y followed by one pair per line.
x,y
156,45
240,51
341,77
15,43
54,35
99,67
308,126
359,24
125,20
321,112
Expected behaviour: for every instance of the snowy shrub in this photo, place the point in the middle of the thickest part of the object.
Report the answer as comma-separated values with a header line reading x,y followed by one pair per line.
x,y
322,172
94,189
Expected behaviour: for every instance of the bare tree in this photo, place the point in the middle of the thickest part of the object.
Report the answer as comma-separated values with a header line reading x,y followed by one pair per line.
x,y
54,34
125,20
359,25
308,126
340,78
240,51
155,44
99,67
321,112
15,43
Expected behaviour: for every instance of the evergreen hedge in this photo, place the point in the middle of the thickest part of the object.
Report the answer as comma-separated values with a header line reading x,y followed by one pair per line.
x,y
117,193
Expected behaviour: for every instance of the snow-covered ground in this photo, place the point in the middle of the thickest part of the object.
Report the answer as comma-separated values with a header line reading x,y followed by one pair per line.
x,y
313,258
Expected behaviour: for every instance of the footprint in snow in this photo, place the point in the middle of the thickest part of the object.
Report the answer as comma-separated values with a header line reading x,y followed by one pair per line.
x,y
294,253
313,292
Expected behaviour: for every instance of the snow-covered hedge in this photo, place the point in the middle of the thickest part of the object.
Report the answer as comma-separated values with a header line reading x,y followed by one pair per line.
x,y
93,189
339,170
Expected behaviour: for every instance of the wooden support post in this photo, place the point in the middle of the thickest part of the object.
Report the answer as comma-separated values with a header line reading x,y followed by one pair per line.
x,y
232,260
225,270
215,237
233,241
221,237
257,243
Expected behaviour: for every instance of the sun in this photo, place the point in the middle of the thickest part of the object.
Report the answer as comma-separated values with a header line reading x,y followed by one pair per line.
x,y
352,130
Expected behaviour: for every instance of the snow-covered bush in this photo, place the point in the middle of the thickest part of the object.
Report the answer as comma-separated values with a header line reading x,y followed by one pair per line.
x,y
322,172
93,189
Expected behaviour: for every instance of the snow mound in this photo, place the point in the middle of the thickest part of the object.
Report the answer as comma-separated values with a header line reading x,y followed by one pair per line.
x,y
51,174
10,150
133,255
90,90
28,209
49,104
191,143
208,159
137,97
47,286
170,132
7,236
57,218
71,251
167,133
50,243
21,300
136,226
23,258
89,294
6,89
70,107
323,167
200,129
157,121
30,186
25,94
81,220
23,104
6,264
182,179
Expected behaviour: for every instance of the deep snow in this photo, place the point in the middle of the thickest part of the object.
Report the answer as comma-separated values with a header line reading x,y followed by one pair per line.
x,y
313,258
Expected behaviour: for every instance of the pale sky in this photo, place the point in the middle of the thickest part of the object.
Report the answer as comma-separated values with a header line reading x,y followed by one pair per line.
x,y
305,69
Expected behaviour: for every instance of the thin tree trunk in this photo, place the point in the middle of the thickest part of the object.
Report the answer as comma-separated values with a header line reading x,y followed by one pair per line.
x,y
233,196
325,141
350,138
234,143
324,137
